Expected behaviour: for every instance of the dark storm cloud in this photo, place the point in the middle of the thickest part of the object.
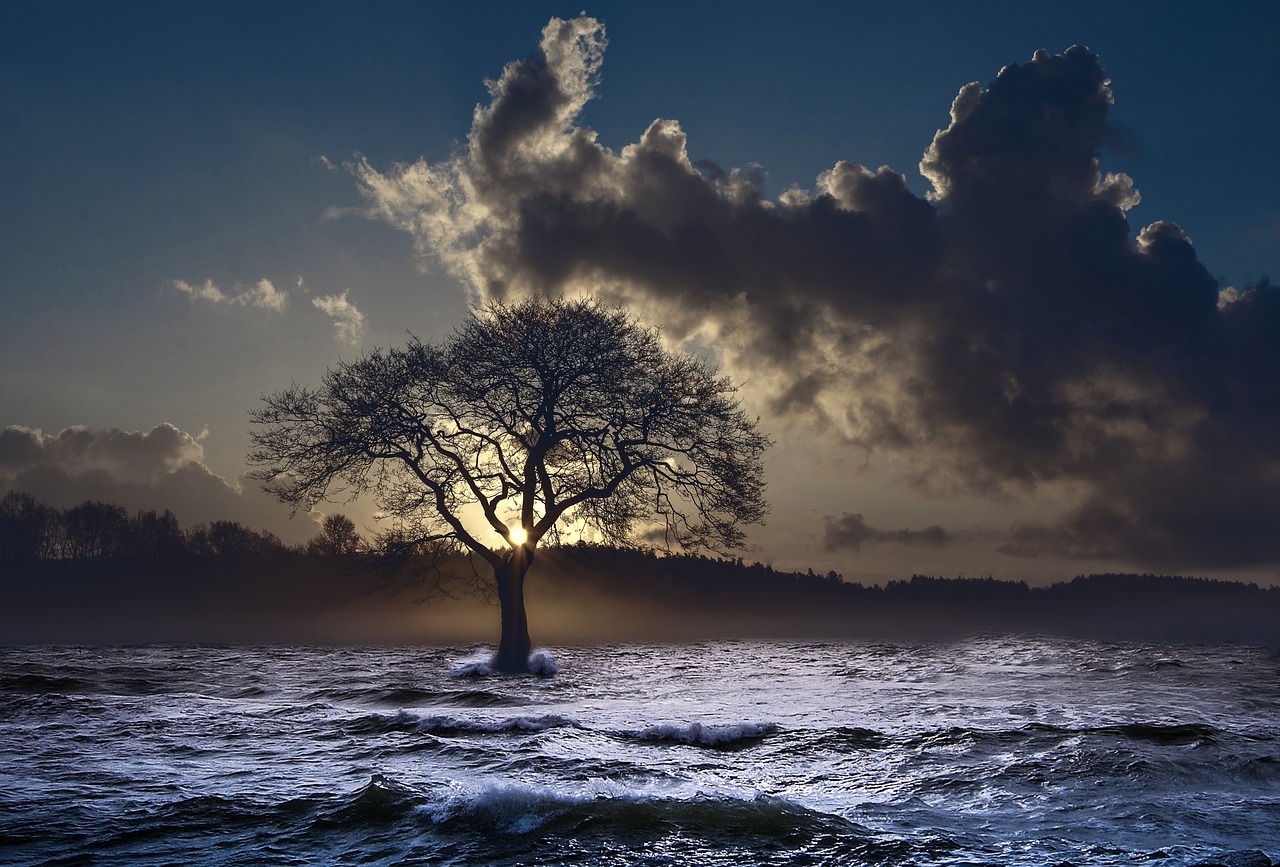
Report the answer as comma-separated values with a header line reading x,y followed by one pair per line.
x,y
1009,332
162,468
127,455
852,531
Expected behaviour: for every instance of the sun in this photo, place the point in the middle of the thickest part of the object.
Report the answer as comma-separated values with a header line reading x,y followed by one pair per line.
x,y
518,535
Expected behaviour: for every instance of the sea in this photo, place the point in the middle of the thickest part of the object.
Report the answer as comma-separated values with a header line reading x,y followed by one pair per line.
x,y
991,750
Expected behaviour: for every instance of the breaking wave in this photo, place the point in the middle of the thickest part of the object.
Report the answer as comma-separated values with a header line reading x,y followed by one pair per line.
x,y
218,755
724,736
541,663
452,726
523,809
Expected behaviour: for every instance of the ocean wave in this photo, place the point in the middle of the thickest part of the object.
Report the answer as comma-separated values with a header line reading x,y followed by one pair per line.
x,y
404,696
382,798
1171,734
377,695
1187,734
451,726
485,820
199,814
611,810
471,669
853,737
40,684
78,682
541,664
719,736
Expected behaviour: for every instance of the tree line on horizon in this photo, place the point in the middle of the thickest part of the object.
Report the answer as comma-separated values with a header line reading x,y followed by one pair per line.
x,y
700,569
1107,605
96,531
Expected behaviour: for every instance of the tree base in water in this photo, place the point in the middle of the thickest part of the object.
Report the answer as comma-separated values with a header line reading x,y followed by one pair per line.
x,y
509,662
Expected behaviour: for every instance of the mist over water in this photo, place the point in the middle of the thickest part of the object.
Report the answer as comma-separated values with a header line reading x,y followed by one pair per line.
x,y
992,750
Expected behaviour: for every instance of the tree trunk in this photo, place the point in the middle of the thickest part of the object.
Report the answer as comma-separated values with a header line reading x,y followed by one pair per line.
x,y
513,647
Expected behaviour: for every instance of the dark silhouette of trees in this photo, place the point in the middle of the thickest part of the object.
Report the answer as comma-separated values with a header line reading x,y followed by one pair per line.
x,y
29,530
546,417
233,539
690,594
337,537
156,535
95,531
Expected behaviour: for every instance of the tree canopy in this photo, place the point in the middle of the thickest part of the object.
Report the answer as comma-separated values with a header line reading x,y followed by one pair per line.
x,y
532,420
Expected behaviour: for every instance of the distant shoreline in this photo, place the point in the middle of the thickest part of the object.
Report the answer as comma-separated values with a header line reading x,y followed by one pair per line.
x,y
593,594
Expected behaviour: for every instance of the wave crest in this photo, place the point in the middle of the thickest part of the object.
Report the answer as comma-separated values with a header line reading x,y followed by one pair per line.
x,y
541,664
722,736
610,809
451,726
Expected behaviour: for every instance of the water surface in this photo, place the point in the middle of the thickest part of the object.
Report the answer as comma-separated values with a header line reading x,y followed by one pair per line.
x,y
1000,750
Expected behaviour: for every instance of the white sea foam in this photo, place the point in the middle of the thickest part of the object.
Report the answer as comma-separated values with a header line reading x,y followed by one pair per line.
x,y
454,725
473,666
541,663
509,807
447,725
628,769
518,808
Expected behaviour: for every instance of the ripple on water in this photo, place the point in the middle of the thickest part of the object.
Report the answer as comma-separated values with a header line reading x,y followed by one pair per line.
x,y
1001,750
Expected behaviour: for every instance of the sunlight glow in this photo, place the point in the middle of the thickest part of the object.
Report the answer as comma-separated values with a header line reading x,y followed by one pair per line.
x,y
518,535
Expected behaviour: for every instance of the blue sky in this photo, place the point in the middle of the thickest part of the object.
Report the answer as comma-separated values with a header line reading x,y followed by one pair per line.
x,y
161,143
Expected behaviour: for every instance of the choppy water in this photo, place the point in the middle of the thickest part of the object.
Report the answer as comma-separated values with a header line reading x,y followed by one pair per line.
x,y
996,750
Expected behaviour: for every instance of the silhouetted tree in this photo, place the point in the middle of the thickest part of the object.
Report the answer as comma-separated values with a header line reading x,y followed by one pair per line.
x,y
230,538
94,530
545,414
337,536
155,535
29,529
198,543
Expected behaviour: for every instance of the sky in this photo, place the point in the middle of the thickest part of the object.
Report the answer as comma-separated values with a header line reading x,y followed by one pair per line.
x,y
1001,302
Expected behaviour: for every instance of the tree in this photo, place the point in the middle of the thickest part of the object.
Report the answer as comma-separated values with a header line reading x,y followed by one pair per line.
x,y
551,416
95,530
156,535
337,536
28,529
233,539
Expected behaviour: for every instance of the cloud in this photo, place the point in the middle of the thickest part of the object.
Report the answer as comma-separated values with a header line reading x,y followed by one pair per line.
x,y
162,468
262,294
852,531
205,291
1007,332
129,456
348,321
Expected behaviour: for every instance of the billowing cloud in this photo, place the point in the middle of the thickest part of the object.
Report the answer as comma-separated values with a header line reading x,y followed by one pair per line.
x,y
1006,333
852,531
162,468
128,455
262,294
348,321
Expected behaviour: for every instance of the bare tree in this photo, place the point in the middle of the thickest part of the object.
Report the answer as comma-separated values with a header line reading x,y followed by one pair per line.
x,y
29,530
337,536
94,530
543,418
